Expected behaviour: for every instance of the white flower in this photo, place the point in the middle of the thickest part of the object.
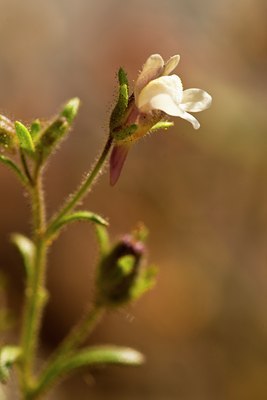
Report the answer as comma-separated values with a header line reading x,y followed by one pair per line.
x,y
156,94
156,89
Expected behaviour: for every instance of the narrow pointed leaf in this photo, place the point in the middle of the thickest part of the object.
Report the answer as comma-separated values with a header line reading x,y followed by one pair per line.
x,y
103,355
91,356
76,216
35,128
8,356
27,251
7,161
48,140
24,136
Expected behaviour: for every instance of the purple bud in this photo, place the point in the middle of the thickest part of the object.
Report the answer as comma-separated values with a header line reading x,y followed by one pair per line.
x,y
118,271
117,160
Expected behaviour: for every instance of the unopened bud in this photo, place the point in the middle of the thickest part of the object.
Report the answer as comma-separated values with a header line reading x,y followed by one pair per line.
x,y
50,137
118,272
71,109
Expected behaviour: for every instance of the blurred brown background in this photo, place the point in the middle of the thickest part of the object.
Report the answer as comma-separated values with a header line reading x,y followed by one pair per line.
x,y
202,194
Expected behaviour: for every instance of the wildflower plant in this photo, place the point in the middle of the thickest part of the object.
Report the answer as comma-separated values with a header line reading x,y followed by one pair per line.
x,y
121,275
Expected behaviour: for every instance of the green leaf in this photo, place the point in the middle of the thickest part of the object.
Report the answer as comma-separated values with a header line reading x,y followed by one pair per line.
x,y
27,250
76,216
103,355
122,102
8,356
25,139
91,356
71,109
35,128
13,166
48,140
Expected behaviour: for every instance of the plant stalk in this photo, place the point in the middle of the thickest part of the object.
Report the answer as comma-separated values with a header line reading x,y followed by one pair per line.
x,y
84,187
76,337
35,290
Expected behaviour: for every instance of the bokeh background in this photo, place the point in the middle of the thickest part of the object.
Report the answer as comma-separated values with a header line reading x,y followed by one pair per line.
x,y
202,194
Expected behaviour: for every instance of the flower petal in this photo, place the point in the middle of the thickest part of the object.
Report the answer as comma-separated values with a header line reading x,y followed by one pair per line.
x,y
164,93
188,117
195,100
152,69
117,160
171,64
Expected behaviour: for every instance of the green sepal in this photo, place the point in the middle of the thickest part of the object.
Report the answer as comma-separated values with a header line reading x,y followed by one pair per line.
x,y
76,216
122,77
124,133
126,265
144,282
25,139
35,128
13,166
27,250
8,138
122,102
89,357
161,125
8,356
71,109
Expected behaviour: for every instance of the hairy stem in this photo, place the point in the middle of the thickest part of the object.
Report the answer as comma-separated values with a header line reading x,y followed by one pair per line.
x,y
25,167
76,337
84,187
81,331
35,290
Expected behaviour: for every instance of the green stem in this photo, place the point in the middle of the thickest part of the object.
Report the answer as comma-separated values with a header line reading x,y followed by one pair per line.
x,y
35,291
84,187
81,332
75,338
25,167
